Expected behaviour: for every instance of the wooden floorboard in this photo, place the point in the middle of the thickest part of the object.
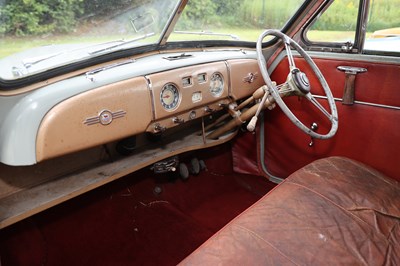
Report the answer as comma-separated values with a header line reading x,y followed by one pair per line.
x,y
25,191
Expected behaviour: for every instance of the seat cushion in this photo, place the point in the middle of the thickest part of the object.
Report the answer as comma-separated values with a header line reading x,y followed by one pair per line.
x,y
332,211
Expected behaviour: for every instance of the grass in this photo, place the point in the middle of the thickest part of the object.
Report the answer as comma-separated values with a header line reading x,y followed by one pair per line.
x,y
330,36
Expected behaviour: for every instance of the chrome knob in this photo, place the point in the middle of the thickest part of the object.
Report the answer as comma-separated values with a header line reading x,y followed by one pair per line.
x,y
314,127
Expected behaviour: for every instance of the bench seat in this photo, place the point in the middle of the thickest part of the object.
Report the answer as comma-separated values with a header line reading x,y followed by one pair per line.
x,y
333,211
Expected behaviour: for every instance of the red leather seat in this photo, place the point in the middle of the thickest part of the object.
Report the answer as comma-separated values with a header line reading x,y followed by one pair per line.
x,y
332,211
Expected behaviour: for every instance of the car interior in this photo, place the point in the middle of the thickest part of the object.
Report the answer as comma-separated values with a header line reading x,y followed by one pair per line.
x,y
279,151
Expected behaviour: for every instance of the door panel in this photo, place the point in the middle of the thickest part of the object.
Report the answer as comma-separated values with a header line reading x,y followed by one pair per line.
x,y
370,134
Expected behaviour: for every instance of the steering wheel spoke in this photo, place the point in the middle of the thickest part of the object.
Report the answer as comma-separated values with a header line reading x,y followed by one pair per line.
x,y
292,65
314,101
284,89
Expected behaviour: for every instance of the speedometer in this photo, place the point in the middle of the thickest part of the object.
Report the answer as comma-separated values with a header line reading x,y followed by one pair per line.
x,y
169,96
216,85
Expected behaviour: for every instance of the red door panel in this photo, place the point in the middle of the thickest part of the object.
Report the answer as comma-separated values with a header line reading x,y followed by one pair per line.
x,y
369,134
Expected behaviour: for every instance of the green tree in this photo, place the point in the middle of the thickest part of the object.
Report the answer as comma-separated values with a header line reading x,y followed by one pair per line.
x,y
33,17
199,14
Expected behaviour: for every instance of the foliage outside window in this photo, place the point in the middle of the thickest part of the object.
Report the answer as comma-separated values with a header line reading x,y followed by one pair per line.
x,y
233,20
30,17
337,24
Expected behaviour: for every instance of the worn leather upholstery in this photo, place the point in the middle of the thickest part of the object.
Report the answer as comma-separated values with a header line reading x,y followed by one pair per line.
x,y
332,211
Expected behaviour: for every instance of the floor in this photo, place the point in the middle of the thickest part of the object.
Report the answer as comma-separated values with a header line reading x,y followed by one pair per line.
x,y
141,219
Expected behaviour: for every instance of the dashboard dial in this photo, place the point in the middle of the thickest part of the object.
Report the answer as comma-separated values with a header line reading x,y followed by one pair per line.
x,y
216,85
196,97
169,97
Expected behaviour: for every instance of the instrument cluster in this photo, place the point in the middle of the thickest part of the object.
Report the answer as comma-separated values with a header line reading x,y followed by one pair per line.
x,y
184,94
170,95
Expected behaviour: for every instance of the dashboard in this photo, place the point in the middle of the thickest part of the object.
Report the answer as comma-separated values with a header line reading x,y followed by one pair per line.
x,y
151,94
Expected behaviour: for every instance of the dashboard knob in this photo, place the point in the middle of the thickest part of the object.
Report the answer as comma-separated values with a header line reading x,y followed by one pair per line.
x,y
178,120
192,115
207,109
159,128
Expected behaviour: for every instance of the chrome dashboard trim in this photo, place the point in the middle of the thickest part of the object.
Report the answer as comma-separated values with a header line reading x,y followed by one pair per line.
x,y
150,88
362,103
105,117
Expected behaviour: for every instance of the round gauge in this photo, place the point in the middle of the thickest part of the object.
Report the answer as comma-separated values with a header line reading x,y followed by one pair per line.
x,y
169,96
216,85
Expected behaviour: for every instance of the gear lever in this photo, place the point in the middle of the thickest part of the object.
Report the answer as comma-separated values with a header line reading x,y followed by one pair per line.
x,y
252,124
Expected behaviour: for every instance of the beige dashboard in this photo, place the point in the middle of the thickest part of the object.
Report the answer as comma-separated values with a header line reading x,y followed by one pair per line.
x,y
150,103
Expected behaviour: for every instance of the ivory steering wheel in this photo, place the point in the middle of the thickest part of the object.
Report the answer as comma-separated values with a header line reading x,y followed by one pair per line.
x,y
298,84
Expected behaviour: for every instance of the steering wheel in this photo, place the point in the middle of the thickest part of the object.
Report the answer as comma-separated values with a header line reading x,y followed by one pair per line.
x,y
298,84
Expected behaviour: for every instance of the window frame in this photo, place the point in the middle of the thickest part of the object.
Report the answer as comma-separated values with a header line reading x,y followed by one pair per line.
x,y
344,47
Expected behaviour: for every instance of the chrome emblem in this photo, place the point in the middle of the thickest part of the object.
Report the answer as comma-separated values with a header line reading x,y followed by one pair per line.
x,y
250,78
105,117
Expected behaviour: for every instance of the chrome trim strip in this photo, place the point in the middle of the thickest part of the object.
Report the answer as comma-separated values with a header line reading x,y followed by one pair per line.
x,y
271,177
356,57
362,103
339,56
153,101
228,68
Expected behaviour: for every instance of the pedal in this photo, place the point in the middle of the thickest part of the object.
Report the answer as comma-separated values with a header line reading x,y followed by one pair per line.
x,y
165,166
203,166
194,166
183,171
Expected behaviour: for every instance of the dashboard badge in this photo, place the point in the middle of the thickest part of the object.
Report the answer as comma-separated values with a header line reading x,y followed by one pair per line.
x,y
250,78
105,117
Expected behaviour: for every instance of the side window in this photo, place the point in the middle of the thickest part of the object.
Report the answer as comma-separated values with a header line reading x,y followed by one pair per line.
x,y
337,24
383,27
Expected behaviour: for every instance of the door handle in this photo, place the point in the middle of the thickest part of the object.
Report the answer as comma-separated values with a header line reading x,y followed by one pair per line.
x,y
349,85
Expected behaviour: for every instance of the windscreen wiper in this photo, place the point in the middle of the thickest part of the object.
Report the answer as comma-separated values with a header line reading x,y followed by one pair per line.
x,y
28,62
121,44
208,33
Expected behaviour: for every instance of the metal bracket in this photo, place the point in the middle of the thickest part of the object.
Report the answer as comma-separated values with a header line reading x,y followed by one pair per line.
x,y
349,86
347,47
